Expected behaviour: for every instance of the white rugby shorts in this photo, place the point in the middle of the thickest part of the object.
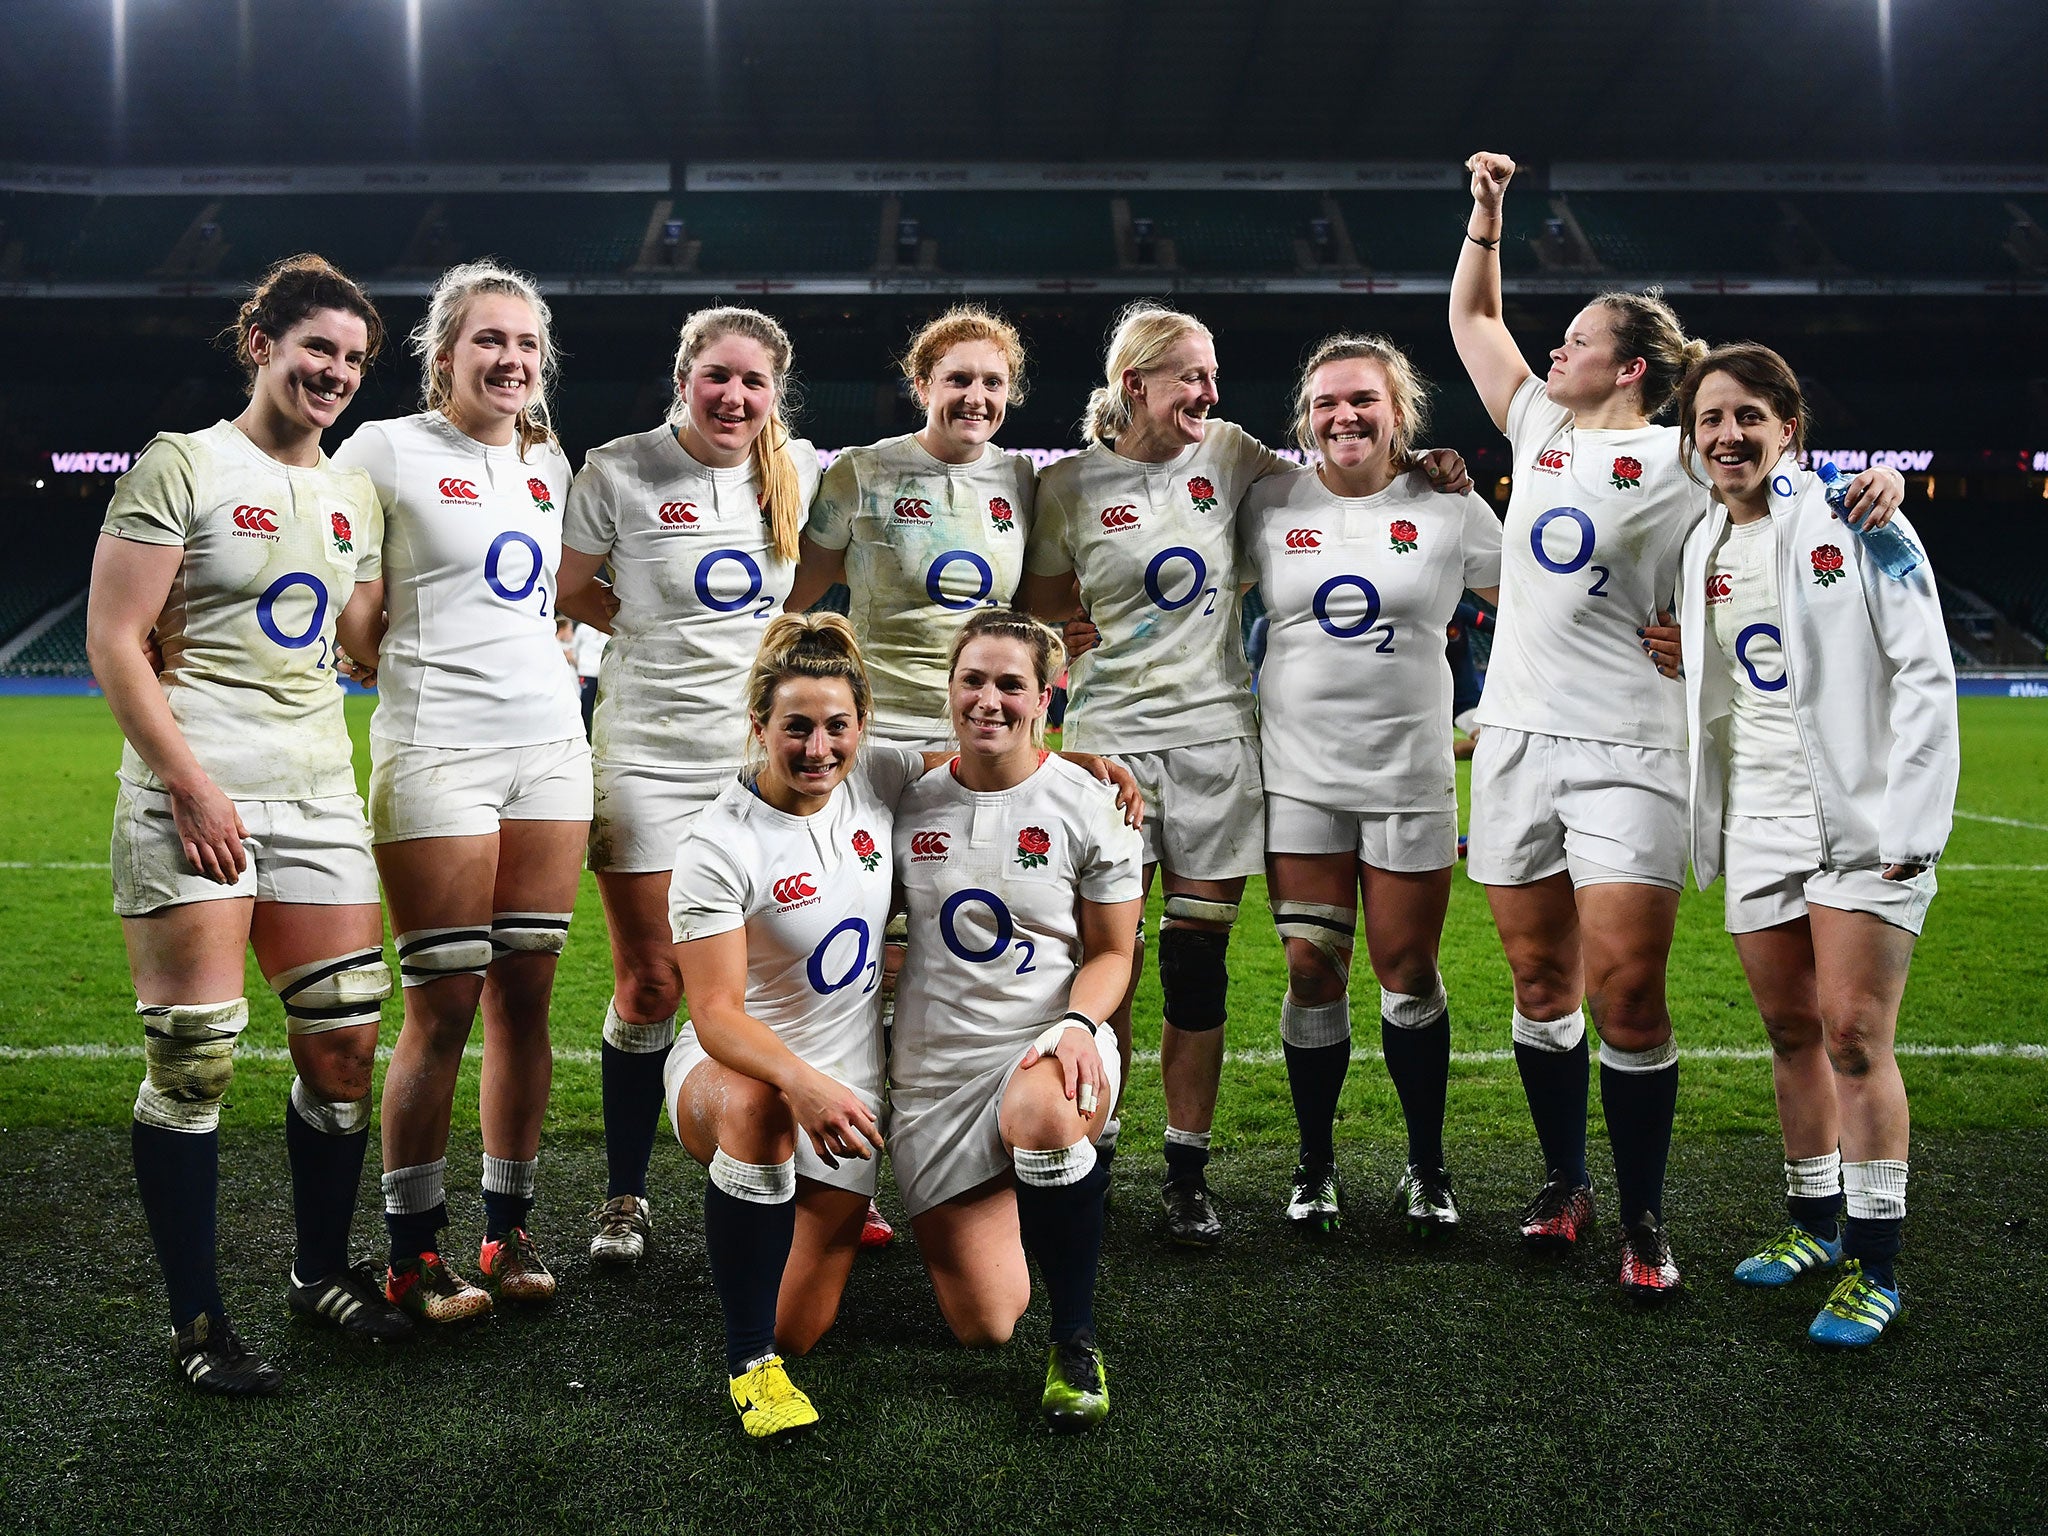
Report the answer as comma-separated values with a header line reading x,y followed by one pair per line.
x,y
856,1174
1406,842
311,851
1606,812
420,791
1771,866
639,813
1205,808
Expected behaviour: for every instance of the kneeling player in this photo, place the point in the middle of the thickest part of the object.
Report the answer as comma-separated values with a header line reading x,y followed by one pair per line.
x,y
237,820
1023,887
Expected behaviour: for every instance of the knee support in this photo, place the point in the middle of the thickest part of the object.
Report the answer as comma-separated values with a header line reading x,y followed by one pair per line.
x,y
1314,1027
529,933
1182,908
428,954
188,1052
1415,1010
638,1039
1194,976
1553,1035
1332,931
333,994
328,1116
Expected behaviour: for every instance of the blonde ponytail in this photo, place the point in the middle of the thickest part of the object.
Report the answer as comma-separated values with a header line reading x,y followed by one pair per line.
x,y
779,485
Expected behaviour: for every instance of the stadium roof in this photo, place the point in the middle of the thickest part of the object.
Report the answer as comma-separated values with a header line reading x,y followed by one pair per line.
x,y
686,80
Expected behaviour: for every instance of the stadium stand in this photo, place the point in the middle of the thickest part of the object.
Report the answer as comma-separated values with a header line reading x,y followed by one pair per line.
x,y
745,232
1015,231
1219,232
1694,232
556,232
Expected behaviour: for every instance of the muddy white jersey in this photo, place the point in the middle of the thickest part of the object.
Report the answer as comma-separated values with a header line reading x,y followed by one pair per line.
x,y
1355,693
926,544
472,540
1589,555
812,893
697,578
1155,550
272,553
1767,772
993,882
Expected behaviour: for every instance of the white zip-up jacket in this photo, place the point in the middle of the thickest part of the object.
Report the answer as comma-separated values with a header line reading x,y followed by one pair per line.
x,y
1872,683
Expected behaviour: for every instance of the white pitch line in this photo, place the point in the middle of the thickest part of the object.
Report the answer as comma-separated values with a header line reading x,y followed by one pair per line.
x,y
1946,868
2003,821
31,864
582,1056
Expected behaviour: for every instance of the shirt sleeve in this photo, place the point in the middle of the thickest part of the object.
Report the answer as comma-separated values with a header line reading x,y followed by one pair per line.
x,y
890,769
590,521
707,891
370,450
1045,548
1110,860
1533,416
1256,461
1482,542
155,501
836,504
370,538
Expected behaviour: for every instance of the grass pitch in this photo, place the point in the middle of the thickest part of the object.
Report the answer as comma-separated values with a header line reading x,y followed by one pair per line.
x,y
1358,1383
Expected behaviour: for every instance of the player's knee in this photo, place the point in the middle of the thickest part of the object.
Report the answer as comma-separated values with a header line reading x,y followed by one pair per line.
x,y
638,1039
650,988
340,992
330,1107
188,1054
336,1067
754,1122
1412,974
1633,1038
1854,1045
1194,976
1631,1003
986,1322
1792,1031
528,933
1037,1114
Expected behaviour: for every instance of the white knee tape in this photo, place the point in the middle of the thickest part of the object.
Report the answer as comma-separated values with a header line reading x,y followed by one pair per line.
x,y
336,993
188,1052
324,1115
1414,1010
639,1039
1557,1035
1194,909
1056,1166
1311,1029
1332,930
1655,1059
529,933
760,1183
428,954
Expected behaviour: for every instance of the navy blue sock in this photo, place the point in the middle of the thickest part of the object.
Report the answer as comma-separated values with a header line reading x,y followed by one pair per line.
x,y
1555,1084
1062,1230
178,1175
1419,1062
632,1116
325,1172
413,1233
748,1245
503,1212
1184,1161
1875,1240
1315,1076
1639,1108
1816,1214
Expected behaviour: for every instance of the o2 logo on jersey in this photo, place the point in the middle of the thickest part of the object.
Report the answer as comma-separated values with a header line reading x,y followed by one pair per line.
x,y
494,568
998,932
1001,515
459,490
1156,576
1339,628
1551,461
960,601
728,602
795,890
677,514
913,509
1720,588
255,523
927,847
1577,560
849,971
267,617
1117,519
1757,680
1305,540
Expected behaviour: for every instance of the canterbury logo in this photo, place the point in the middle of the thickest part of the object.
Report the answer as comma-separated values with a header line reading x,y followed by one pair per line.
x,y
459,490
678,514
1720,587
256,519
794,887
1552,460
913,508
928,845
1125,516
1304,538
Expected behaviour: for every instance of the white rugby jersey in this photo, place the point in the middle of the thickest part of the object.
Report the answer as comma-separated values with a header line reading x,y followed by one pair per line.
x,y
992,881
1589,555
1355,694
812,893
697,579
1767,774
926,544
1154,547
272,552
472,541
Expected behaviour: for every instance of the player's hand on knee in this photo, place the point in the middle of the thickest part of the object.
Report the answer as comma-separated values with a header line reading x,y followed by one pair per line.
x,y
1083,1078
1445,468
835,1118
1491,174
1079,634
211,830
1660,642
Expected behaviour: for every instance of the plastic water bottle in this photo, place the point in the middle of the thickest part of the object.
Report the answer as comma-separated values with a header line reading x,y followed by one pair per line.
x,y
1896,555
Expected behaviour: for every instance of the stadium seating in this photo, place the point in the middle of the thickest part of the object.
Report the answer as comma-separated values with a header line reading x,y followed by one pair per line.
x,y
1691,232
361,233
746,232
1016,231
58,652
1418,231
1218,232
553,232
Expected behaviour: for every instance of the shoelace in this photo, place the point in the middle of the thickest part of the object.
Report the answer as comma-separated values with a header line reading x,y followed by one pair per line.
x,y
1792,1246
1077,1366
1857,1298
